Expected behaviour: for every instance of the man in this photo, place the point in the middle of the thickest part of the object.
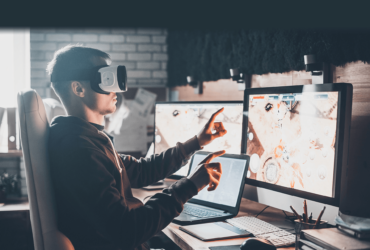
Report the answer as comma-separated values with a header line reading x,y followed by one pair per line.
x,y
96,208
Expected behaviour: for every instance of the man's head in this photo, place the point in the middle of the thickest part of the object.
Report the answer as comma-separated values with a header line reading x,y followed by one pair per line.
x,y
77,94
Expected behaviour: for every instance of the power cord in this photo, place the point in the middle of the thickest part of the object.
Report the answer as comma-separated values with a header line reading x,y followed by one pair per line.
x,y
290,218
262,211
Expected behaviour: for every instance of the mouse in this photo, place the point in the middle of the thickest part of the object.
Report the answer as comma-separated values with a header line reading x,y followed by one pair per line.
x,y
257,243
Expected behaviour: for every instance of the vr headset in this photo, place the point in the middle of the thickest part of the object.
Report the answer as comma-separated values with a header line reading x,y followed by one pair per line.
x,y
103,79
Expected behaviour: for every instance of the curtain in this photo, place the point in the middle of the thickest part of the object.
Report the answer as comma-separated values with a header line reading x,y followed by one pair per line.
x,y
207,55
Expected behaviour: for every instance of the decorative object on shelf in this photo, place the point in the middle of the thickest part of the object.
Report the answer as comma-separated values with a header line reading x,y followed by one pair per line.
x,y
8,185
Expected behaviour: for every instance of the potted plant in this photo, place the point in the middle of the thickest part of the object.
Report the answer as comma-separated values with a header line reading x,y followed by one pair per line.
x,y
8,185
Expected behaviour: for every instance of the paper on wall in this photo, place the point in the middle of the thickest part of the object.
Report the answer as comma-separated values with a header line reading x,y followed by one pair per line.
x,y
143,103
130,132
132,135
116,119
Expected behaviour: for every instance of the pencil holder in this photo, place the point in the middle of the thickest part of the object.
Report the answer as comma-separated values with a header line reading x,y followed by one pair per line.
x,y
322,224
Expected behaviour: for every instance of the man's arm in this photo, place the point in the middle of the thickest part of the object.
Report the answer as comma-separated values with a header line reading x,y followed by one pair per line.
x,y
145,171
87,180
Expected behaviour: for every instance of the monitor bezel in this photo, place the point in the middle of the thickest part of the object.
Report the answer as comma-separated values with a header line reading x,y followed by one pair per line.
x,y
177,177
341,88
232,210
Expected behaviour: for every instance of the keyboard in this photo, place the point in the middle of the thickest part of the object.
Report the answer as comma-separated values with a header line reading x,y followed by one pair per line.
x,y
199,212
260,229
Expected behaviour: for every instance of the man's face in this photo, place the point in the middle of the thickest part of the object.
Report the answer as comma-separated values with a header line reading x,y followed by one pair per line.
x,y
100,103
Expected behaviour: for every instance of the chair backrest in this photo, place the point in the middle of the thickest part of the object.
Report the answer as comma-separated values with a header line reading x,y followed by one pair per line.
x,y
53,108
34,128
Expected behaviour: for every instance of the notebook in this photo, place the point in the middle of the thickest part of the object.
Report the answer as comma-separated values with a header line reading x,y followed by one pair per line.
x,y
214,231
332,238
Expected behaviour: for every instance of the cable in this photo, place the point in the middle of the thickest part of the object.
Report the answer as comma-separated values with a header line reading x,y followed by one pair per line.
x,y
286,216
290,218
147,198
262,211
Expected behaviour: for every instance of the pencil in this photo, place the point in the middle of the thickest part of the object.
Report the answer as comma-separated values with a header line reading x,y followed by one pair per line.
x,y
319,218
296,214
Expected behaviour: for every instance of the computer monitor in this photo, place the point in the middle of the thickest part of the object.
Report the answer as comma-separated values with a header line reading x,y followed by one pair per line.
x,y
180,121
297,138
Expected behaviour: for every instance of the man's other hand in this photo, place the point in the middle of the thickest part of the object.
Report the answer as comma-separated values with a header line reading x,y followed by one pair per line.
x,y
206,136
207,172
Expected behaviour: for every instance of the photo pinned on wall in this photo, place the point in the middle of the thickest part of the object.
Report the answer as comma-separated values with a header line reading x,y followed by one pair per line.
x,y
128,124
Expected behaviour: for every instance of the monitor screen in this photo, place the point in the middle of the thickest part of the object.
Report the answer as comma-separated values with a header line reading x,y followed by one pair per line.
x,y
178,122
291,139
228,189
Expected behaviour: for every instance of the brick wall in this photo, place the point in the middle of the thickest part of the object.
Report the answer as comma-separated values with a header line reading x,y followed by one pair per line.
x,y
142,51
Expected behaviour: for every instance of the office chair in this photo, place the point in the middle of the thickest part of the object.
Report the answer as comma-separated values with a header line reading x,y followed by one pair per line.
x,y
34,128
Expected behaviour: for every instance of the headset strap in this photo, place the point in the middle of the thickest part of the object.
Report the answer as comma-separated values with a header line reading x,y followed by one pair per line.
x,y
87,74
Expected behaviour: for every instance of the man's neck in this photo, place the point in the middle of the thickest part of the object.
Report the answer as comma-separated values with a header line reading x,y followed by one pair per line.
x,y
87,115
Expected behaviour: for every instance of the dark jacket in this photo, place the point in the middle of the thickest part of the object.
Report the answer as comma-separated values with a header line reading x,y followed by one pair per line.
x,y
95,205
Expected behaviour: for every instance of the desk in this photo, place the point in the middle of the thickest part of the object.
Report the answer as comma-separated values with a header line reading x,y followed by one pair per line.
x,y
182,239
15,226
15,207
188,242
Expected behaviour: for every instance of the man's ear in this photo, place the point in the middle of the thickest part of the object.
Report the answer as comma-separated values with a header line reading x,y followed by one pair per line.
x,y
78,89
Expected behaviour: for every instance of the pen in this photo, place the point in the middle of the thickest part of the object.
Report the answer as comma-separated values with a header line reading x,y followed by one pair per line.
x,y
303,217
305,211
310,218
319,218
296,214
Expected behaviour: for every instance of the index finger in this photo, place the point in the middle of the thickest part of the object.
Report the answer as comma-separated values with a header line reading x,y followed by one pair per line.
x,y
213,117
211,156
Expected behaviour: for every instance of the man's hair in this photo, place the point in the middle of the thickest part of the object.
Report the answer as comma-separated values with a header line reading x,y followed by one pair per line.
x,y
69,58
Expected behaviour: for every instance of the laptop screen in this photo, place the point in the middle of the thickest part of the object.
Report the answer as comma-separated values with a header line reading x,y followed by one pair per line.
x,y
227,192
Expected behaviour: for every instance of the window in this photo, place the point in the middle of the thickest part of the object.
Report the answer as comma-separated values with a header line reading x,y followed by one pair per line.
x,y
14,64
14,73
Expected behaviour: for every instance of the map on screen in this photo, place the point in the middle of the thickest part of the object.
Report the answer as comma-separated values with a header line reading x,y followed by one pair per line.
x,y
291,140
178,122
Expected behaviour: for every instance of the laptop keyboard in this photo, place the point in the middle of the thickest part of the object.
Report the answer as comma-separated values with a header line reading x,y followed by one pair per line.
x,y
199,212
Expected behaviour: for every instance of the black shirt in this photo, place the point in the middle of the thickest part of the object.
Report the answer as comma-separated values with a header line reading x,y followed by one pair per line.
x,y
92,183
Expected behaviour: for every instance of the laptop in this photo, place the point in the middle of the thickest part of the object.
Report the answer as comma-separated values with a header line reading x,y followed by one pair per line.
x,y
222,203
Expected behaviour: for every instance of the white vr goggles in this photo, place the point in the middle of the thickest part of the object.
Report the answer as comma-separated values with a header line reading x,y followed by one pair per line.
x,y
103,79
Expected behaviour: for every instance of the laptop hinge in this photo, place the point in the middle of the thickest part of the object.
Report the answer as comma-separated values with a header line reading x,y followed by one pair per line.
x,y
210,208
